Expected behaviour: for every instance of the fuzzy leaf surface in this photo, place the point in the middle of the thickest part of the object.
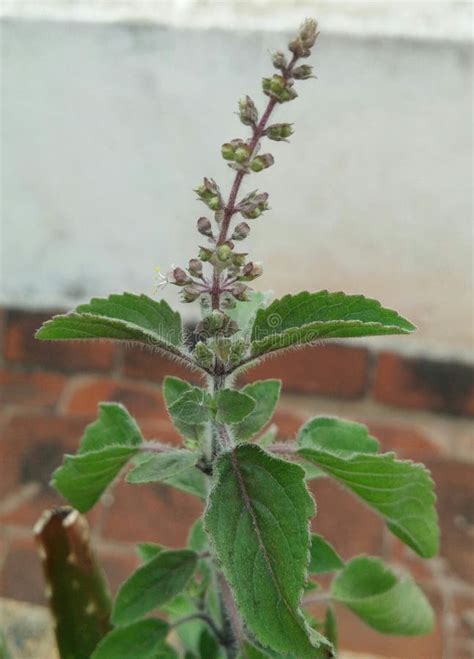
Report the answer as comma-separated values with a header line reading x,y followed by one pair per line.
x,y
148,550
162,466
124,317
388,604
399,490
324,557
106,447
173,389
265,393
144,639
153,584
338,435
306,317
233,406
258,521
193,407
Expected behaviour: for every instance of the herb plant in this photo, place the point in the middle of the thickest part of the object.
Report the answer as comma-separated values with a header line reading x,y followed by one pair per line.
x,y
241,586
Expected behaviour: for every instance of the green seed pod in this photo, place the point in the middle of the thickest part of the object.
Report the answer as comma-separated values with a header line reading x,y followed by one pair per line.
x,y
205,254
262,162
223,252
242,153
303,72
279,132
247,111
214,203
279,60
227,151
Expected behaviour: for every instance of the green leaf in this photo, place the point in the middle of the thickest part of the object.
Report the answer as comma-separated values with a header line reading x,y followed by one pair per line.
x,y
399,490
336,435
257,504
330,627
244,312
192,407
265,393
233,406
387,604
173,389
106,447
192,481
148,550
162,466
144,639
268,437
307,317
153,584
124,317
324,558
83,478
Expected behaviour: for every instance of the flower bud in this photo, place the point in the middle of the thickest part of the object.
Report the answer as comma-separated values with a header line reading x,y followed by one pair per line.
x,y
253,205
277,84
251,271
288,95
222,346
262,162
216,323
210,194
279,132
178,277
227,151
214,203
190,293
205,254
237,351
238,259
303,72
279,60
241,231
223,252
204,226
305,39
242,153
203,355
195,267
247,111
239,291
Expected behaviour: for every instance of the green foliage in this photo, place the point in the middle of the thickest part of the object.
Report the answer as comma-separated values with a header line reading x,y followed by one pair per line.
x,y
324,558
153,584
265,394
399,490
307,317
239,588
160,467
108,444
144,639
124,317
388,604
256,504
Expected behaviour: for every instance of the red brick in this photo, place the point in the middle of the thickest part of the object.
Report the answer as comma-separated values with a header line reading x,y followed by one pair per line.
x,y
407,442
117,566
454,483
155,513
86,392
328,370
425,384
21,577
31,448
346,522
462,620
288,422
147,365
30,390
20,346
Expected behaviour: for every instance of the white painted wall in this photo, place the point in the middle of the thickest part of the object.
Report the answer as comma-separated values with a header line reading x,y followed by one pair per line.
x,y
107,127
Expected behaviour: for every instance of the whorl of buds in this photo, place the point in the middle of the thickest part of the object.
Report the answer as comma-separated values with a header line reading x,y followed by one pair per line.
x,y
247,111
204,355
303,72
279,60
241,231
253,205
204,227
262,162
210,194
216,323
279,88
251,271
305,39
279,132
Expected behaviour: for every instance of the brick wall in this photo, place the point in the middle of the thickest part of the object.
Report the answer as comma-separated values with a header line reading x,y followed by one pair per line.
x,y
420,408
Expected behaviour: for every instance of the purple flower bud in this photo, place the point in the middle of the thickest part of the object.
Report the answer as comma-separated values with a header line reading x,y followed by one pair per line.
x,y
190,293
178,277
305,39
239,291
195,267
279,60
251,271
241,231
204,226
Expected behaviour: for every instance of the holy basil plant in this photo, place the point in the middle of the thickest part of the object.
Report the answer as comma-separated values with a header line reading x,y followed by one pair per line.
x,y
242,586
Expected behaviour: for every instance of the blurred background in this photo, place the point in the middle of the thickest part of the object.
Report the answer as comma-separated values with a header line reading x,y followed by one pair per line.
x,y
112,111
